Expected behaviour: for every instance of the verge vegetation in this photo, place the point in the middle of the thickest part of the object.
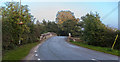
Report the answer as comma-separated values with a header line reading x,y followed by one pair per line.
x,y
97,48
19,53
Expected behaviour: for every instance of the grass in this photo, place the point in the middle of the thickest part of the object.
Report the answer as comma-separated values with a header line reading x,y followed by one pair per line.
x,y
19,53
97,48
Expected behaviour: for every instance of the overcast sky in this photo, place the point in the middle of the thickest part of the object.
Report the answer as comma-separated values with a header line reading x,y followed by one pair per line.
x,y
47,9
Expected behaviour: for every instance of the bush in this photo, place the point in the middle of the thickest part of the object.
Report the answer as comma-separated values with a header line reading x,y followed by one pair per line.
x,y
97,34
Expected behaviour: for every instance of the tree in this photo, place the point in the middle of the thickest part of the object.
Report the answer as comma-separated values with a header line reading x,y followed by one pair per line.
x,y
52,27
37,22
12,31
95,32
64,16
92,27
70,26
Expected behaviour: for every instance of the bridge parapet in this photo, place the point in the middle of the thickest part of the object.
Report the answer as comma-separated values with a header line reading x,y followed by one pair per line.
x,y
48,34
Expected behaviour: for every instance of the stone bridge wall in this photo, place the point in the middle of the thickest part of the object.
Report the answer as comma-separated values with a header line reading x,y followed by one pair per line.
x,y
45,35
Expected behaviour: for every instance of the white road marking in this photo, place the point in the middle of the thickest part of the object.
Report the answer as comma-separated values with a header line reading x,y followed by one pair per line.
x,y
35,51
38,58
36,55
93,59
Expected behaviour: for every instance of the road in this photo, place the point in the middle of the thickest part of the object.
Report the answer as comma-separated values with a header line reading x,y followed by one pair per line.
x,y
56,48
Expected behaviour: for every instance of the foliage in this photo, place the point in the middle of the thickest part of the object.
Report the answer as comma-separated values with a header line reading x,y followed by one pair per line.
x,y
50,26
96,33
70,26
12,30
64,16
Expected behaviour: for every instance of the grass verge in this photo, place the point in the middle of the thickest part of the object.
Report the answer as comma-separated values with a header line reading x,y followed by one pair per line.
x,y
97,48
19,52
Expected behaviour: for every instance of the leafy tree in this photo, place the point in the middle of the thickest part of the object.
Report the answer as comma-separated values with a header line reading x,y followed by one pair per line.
x,y
50,26
12,30
96,33
70,26
64,16
93,28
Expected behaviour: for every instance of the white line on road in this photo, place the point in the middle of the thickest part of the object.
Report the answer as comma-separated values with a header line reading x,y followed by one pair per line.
x,y
35,51
36,55
93,59
38,58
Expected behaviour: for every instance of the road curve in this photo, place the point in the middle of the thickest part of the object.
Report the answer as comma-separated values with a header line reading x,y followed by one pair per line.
x,y
56,48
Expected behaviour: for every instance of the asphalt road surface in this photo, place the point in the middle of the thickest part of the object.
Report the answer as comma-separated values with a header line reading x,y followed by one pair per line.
x,y
56,48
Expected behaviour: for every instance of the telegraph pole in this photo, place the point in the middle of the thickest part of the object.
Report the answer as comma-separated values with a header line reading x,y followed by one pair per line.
x,y
119,15
20,23
20,7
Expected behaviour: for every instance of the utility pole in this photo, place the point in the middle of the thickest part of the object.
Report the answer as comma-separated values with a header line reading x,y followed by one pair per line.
x,y
20,7
119,15
20,23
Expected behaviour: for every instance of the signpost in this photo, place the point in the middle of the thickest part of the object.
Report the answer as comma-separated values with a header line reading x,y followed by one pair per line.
x,y
69,35
114,42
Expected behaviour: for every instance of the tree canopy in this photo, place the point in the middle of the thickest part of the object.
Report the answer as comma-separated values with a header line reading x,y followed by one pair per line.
x,y
95,32
12,30
64,16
